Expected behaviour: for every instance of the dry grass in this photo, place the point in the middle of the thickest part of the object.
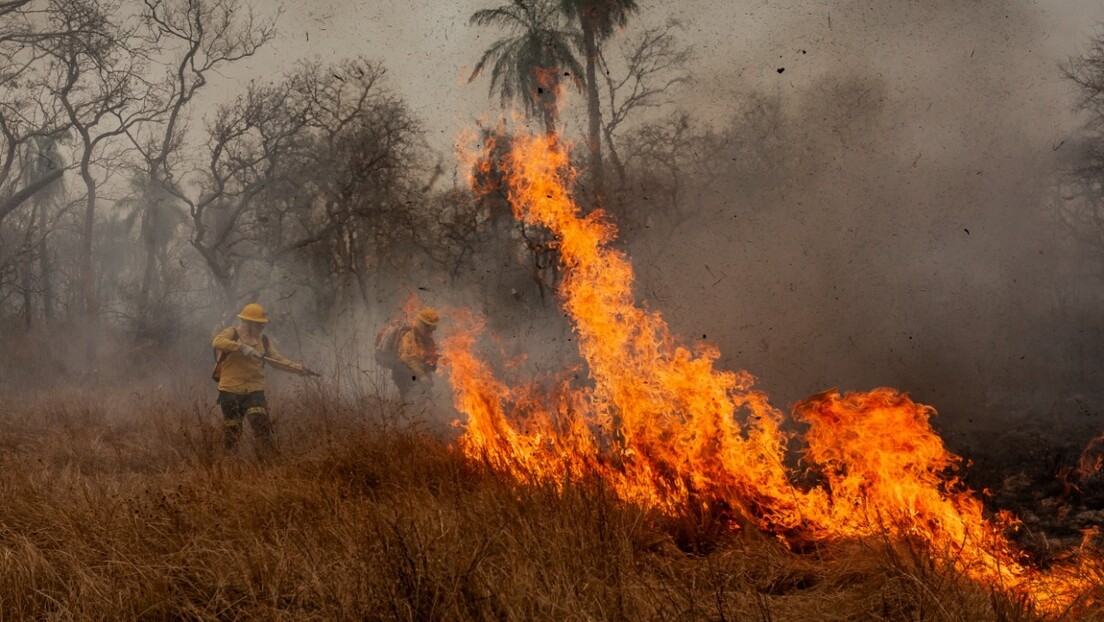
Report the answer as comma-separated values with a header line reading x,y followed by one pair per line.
x,y
116,505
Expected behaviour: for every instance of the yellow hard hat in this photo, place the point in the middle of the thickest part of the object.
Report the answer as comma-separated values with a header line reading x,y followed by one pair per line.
x,y
253,312
428,317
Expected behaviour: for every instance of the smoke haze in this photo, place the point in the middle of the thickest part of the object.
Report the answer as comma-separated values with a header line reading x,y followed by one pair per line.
x,y
906,237
914,245
910,245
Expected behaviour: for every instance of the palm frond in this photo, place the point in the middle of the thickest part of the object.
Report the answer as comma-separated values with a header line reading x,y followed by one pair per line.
x,y
539,44
489,56
503,15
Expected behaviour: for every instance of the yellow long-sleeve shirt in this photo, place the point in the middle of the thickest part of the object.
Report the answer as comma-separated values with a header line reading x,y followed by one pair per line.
x,y
240,373
420,355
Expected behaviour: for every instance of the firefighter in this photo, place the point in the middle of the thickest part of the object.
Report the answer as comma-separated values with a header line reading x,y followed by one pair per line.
x,y
417,355
242,352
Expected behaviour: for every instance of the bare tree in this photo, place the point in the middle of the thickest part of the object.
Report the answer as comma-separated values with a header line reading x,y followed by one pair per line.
x,y
247,143
320,176
1078,201
27,111
352,202
196,37
459,230
98,80
664,156
1079,192
598,19
652,65
33,124
41,157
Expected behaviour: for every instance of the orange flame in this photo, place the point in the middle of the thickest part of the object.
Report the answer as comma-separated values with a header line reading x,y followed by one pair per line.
x,y
667,430
411,306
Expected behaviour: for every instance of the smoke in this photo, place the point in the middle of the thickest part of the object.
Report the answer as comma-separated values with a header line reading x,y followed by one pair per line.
x,y
906,238
899,235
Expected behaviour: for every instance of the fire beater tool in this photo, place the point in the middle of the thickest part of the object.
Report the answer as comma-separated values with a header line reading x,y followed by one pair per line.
x,y
296,370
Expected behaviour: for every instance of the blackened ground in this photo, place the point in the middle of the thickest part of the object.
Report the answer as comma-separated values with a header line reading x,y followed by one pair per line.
x,y
1029,465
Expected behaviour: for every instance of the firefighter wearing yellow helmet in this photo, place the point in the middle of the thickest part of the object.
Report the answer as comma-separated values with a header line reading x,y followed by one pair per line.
x,y
417,355
241,354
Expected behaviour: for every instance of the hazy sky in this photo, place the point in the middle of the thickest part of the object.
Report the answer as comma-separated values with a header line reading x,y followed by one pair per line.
x,y
887,259
429,48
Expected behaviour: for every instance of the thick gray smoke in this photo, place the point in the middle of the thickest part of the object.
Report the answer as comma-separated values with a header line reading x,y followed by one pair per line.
x,y
908,237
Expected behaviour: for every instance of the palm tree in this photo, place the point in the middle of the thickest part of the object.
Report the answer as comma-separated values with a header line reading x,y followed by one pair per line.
x,y
597,19
532,63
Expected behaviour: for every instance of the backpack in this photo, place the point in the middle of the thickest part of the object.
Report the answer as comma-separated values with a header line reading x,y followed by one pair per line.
x,y
220,355
387,343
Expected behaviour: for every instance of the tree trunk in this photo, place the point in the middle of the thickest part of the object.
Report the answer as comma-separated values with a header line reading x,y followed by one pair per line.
x,y
88,284
615,159
26,267
548,93
228,289
222,276
149,240
145,293
26,270
47,280
549,111
594,112
17,199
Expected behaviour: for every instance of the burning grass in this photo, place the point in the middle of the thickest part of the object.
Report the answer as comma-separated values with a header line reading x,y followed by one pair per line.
x,y
669,431
122,506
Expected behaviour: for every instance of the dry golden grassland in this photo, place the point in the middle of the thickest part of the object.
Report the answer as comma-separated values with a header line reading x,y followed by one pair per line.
x,y
122,505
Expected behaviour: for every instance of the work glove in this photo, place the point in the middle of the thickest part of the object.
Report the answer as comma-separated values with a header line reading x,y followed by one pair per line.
x,y
249,351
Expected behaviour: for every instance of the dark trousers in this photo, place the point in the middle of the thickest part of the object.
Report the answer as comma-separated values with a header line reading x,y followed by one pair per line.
x,y
238,407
